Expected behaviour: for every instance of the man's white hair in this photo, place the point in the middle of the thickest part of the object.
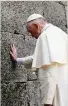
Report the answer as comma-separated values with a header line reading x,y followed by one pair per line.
x,y
39,21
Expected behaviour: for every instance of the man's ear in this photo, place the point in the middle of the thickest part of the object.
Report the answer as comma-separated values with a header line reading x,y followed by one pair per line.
x,y
36,25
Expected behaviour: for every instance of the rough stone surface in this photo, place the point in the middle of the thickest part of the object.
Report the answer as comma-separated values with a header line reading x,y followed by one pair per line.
x,y
62,3
14,94
20,12
53,15
24,48
33,93
20,87
54,12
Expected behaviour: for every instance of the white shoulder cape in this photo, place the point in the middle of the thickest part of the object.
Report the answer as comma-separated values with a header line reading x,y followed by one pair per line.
x,y
51,47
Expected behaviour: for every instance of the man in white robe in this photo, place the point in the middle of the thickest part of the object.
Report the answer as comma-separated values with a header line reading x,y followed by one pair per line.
x,y
51,58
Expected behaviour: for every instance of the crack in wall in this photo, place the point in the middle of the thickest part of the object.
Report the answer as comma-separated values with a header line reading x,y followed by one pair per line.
x,y
61,3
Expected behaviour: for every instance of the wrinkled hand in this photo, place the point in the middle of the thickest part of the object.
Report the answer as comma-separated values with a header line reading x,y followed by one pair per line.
x,y
13,53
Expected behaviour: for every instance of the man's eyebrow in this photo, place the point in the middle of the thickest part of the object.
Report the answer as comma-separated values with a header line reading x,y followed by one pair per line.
x,y
28,28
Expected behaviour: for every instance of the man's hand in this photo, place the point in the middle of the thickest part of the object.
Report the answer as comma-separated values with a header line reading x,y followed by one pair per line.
x,y
13,53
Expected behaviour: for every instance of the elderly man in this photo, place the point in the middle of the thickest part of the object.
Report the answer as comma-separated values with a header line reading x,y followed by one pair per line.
x,y
50,57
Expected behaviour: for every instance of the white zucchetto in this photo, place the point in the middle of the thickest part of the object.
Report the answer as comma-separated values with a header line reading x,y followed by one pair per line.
x,y
34,16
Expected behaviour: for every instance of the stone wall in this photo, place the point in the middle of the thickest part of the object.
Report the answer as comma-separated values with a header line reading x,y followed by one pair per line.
x,y
20,87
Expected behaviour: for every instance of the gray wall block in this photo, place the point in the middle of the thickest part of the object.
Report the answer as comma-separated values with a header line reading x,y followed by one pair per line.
x,y
24,48
14,94
14,14
56,14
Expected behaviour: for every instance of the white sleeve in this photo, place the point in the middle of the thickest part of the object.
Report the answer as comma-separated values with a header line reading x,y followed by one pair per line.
x,y
25,59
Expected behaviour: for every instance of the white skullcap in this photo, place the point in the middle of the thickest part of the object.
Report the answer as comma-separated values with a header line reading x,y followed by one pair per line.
x,y
33,17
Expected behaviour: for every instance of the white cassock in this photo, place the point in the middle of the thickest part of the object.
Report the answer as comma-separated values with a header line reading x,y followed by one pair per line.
x,y
51,58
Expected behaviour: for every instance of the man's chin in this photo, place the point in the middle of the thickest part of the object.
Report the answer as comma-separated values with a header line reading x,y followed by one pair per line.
x,y
36,37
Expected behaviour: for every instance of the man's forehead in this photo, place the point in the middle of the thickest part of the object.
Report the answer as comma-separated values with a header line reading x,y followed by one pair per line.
x,y
28,25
